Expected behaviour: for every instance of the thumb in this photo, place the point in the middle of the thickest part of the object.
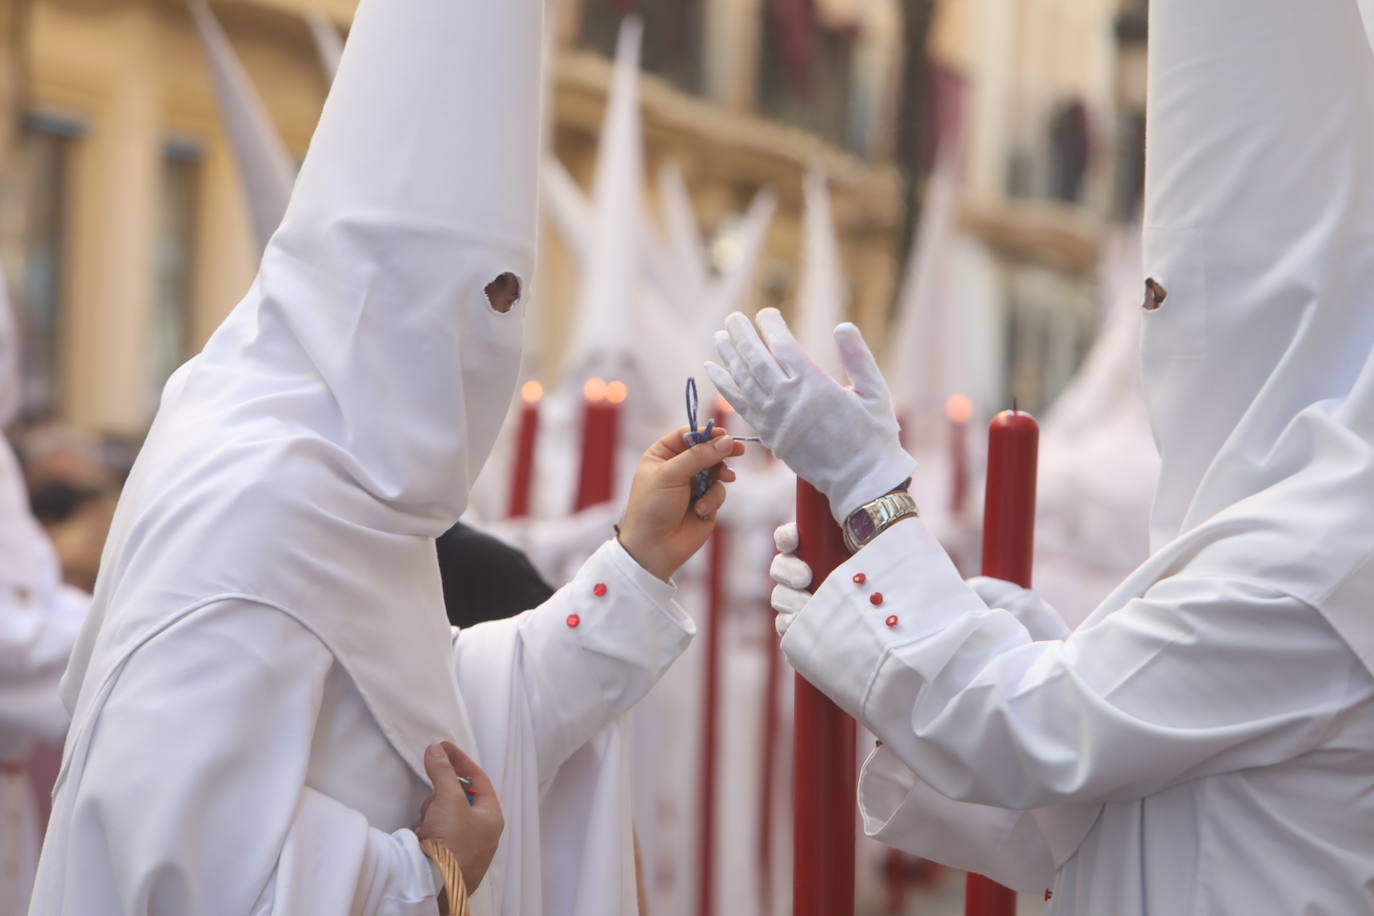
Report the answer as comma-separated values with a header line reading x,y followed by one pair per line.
x,y
447,788
859,364
682,467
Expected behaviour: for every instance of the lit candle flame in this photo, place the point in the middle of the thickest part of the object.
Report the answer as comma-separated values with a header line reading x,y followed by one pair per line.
x,y
616,392
594,390
959,409
531,392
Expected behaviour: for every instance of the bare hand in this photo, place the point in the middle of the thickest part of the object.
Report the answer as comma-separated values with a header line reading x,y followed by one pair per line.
x,y
471,831
661,531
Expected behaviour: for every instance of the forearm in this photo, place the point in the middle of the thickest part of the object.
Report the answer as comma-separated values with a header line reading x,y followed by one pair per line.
x,y
901,810
588,654
983,714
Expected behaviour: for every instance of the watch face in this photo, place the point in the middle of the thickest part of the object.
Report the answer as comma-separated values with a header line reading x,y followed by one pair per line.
x,y
863,526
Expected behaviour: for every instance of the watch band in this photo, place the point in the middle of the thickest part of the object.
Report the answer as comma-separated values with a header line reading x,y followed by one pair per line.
x,y
872,519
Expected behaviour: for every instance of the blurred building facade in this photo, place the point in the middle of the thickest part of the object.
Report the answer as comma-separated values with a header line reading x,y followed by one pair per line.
x,y
125,238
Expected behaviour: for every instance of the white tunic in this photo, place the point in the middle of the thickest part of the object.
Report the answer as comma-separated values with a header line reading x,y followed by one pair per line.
x,y
283,783
1230,787
39,620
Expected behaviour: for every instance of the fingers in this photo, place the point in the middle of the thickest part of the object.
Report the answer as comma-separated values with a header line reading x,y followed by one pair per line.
x,y
673,443
778,337
725,384
481,793
706,507
787,538
994,592
754,353
788,600
754,390
463,765
789,570
864,375
683,466
441,774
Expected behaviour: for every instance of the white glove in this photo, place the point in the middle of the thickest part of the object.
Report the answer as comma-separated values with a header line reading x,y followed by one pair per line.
x,y
1042,621
792,576
844,441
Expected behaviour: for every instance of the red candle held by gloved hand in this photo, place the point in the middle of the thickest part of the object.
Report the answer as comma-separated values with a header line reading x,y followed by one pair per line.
x,y
1009,508
1008,552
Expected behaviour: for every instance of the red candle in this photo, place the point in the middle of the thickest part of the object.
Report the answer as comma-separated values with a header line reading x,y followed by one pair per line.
x,y
1008,550
825,769
768,759
706,834
600,431
522,475
1009,509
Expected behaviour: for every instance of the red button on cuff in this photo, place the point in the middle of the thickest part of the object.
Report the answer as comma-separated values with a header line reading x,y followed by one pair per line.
x,y
599,590
860,578
574,620
876,599
891,621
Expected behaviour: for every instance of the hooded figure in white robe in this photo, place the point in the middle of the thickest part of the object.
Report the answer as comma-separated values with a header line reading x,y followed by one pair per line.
x,y
268,657
1204,741
39,620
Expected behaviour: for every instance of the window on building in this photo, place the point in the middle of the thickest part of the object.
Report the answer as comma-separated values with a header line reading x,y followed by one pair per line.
x,y
174,261
32,233
806,74
674,33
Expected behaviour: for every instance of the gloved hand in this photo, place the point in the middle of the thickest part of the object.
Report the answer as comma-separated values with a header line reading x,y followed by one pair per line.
x,y
792,576
1042,621
844,441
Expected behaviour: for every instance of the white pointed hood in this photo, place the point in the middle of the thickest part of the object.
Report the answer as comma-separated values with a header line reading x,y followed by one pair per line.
x,y
820,296
624,329
328,42
604,335
728,292
1259,365
330,429
917,353
265,166
569,208
680,221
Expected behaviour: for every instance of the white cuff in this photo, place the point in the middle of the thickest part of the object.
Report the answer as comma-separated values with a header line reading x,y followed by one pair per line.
x,y
899,589
412,875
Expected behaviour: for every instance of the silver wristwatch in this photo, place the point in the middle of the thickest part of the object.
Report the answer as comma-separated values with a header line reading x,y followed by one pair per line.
x,y
872,519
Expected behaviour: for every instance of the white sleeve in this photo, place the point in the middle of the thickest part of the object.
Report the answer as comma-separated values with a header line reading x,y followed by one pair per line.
x,y
193,796
1196,678
590,652
37,632
901,810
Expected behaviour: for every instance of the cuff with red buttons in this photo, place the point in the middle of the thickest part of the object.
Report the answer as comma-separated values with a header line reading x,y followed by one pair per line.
x,y
899,589
619,610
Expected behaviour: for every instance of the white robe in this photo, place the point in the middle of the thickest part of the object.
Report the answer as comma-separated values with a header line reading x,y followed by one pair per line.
x,y
39,620
1204,741
1227,787
283,796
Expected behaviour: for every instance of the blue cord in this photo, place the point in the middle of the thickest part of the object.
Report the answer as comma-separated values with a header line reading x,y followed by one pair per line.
x,y
701,482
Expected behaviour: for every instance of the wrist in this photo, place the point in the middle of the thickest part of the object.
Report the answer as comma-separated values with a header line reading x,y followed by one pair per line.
x,y
651,561
871,519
